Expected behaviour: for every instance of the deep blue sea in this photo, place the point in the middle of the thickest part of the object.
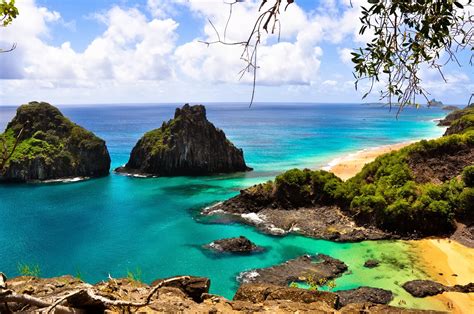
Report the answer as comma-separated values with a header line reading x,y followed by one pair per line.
x,y
151,227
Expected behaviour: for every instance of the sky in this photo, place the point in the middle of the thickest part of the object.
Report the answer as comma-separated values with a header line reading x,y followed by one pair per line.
x,y
151,51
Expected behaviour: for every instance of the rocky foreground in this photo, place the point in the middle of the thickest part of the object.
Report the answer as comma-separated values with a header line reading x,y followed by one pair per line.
x,y
188,144
41,144
183,294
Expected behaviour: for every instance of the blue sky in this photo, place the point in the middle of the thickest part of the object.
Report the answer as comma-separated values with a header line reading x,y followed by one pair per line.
x,y
147,51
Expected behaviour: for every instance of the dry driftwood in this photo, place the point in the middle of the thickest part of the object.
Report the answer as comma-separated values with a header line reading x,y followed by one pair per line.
x,y
87,294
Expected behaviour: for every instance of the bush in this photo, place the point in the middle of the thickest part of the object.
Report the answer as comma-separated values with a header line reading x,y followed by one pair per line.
x,y
468,176
369,203
466,202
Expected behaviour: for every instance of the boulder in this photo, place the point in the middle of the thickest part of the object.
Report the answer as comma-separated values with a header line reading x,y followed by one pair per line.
x,y
234,245
426,288
50,147
363,295
257,293
187,145
193,287
319,268
371,263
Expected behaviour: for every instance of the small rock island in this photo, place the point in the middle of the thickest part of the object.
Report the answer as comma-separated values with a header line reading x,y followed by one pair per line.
x,y
188,145
41,144
240,245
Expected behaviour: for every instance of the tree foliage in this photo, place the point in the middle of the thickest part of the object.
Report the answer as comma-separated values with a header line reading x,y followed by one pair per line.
x,y
408,35
8,12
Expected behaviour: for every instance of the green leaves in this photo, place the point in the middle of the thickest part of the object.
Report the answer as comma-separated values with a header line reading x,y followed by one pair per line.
x,y
8,12
407,35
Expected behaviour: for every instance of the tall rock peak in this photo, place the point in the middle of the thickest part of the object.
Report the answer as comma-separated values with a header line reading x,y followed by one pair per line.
x,y
187,145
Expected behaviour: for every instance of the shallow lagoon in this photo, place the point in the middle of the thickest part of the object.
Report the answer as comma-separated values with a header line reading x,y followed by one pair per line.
x,y
117,224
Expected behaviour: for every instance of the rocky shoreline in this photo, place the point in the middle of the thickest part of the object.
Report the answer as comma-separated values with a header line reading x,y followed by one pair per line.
x,y
322,222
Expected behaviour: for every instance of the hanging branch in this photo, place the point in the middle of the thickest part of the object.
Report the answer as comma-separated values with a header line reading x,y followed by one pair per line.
x,y
267,21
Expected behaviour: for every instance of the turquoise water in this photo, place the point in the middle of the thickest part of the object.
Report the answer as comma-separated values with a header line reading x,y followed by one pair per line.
x,y
117,224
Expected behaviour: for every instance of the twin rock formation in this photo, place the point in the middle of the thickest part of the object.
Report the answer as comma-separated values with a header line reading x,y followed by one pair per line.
x,y
186,145
41,144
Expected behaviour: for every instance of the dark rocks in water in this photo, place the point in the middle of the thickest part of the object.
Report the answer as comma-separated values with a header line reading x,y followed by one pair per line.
x,y
50,147
186,145
258,293
450,108
193,287
317,268
363,295
371,263
234,245
425,288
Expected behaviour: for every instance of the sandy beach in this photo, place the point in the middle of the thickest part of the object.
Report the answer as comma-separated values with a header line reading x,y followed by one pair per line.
x,y
348,166
449,263
443,260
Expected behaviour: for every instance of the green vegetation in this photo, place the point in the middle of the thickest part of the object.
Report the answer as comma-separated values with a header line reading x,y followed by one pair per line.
x,y
158,139
8,12
29,270
134,275
45,134
314,283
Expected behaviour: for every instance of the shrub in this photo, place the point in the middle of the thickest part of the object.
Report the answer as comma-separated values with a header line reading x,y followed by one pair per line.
x,y
468,176
369,203
466,202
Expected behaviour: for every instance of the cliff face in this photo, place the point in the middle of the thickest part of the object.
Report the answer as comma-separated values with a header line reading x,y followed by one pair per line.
x,y
50,147
186,145
459,121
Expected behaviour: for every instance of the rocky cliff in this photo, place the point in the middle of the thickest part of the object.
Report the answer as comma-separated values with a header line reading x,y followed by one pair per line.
x,y
186,145
41,144
184,294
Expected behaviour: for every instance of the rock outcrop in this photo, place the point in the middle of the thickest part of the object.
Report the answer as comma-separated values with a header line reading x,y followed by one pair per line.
x,y
257,293
363,295
186,145
317,269
240,245
49,147
371,263
71,295
425,288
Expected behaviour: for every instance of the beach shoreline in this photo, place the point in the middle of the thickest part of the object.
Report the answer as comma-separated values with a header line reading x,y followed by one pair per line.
x,y
443,260
450,263
348,165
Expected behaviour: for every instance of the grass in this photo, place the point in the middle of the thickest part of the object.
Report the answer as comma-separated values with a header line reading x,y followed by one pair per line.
x,y
29,269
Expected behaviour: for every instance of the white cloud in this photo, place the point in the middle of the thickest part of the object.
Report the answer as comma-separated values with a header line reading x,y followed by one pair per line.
x,y
131,48
345,55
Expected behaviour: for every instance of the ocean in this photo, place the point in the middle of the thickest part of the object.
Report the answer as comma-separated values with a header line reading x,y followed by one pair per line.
x,y
151,227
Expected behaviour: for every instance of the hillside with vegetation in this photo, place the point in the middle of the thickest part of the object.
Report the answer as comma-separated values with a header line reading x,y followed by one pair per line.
x,y
420,190
40,143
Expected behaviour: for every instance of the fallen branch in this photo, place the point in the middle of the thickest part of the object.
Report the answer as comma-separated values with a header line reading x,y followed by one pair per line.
x,y
8,295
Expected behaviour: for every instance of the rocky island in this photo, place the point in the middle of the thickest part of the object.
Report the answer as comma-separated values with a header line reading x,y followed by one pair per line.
x,y
187,145
41,144
238,245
